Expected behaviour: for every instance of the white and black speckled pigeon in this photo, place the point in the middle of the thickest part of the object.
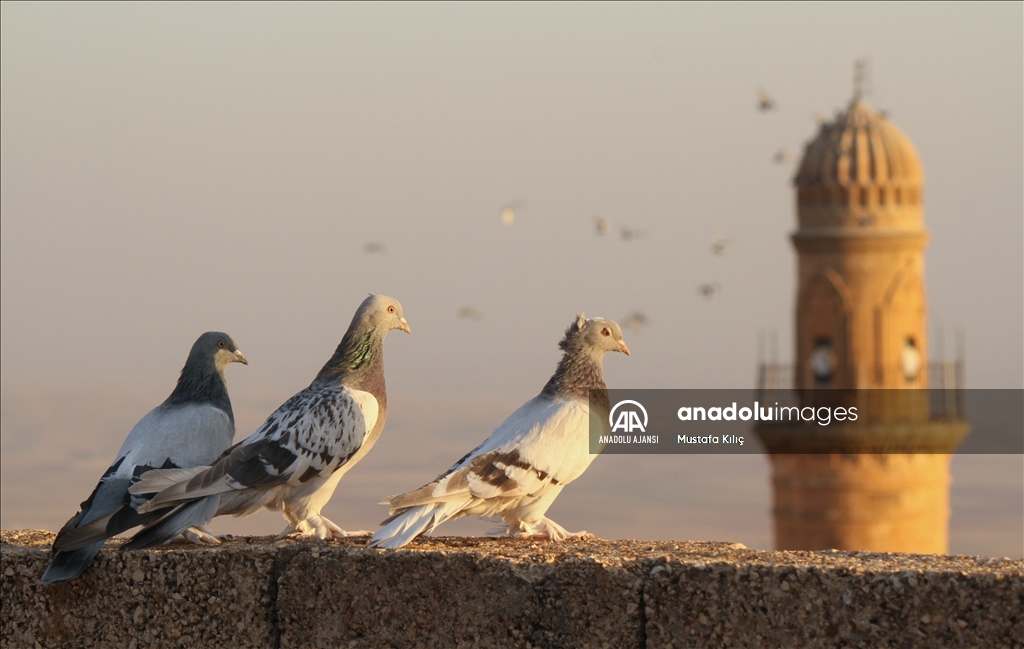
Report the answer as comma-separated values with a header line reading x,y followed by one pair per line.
x,y
192,427
522,467
294,461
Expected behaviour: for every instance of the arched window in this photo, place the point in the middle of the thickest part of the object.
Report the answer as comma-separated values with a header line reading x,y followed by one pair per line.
x,y
910,360
823,361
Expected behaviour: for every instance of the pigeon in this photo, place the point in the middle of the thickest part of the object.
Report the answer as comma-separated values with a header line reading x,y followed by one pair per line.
x,y
294,461
469,312
374,247
765,102
708,290
191,427
718,244
602,225
628,233
635,321
508,213
526,462
782,156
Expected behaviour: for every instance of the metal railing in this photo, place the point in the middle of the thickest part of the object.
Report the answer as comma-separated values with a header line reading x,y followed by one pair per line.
x,y
942,400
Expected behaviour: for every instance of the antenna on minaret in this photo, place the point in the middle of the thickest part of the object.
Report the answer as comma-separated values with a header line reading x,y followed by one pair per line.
x,y
861,78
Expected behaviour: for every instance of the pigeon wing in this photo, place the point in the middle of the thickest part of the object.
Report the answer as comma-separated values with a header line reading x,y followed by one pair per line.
x,y
166,438
545,442
314,433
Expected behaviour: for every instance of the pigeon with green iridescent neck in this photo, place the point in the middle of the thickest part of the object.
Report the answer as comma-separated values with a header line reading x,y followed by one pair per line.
x,y
294,461
522,467
192,427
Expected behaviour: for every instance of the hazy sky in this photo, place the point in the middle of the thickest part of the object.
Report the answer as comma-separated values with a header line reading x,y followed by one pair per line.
x,y
168,169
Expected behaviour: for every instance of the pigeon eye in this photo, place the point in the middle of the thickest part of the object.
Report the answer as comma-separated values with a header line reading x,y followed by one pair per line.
x,y
391,309
605,332
220,343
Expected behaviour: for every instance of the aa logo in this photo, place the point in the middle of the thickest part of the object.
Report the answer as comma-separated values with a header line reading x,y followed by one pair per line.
x,y
628,419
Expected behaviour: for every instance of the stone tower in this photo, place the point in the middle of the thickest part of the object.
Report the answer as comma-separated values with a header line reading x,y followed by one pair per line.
x,y
881,483
861,314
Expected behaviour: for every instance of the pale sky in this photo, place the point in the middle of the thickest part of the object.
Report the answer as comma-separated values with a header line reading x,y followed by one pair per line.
x,y
169,169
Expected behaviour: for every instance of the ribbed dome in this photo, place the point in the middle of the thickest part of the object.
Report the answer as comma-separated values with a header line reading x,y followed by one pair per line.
x,y
859,162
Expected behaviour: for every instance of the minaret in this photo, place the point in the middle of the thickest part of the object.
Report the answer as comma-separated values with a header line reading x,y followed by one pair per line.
x,y
881,483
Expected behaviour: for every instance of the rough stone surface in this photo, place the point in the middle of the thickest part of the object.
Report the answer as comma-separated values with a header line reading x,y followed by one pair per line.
x,y
827,599
474,592
171,597
463,592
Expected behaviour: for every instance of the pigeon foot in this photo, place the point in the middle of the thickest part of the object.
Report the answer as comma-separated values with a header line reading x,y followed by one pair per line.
x,y
318,528
201,536
545,530
339,533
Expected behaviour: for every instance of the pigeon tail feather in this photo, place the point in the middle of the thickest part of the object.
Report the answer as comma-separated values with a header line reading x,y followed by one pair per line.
x,y
402,527
65,566
157,480
197,513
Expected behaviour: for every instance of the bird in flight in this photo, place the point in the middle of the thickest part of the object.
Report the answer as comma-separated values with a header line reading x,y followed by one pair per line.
x,y
508,212
708,290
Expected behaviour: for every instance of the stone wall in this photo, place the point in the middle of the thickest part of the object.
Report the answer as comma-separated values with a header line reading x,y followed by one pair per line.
x,y
471,592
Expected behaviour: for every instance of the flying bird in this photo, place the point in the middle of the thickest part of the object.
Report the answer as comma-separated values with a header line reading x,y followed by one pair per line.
x,y
708,290
508,212
764,101
294,461
602,225
718,244
635,321
374,247
191,427
628,233
469,313
782,156
526,462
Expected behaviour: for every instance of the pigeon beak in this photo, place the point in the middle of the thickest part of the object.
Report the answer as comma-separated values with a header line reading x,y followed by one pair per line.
x,y
405,327
239,358
623,348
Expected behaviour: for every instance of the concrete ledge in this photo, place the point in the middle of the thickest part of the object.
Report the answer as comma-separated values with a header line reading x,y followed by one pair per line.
x,y
471,592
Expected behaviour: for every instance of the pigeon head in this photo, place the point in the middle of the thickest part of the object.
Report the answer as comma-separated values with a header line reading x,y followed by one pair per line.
x,y
382,313
361,349
202,378
596,335
585,344
218,347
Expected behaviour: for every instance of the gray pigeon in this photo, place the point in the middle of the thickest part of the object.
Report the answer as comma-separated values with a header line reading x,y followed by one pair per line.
x,y
628,233
192,427
293,462
708,290
526,462
765,102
